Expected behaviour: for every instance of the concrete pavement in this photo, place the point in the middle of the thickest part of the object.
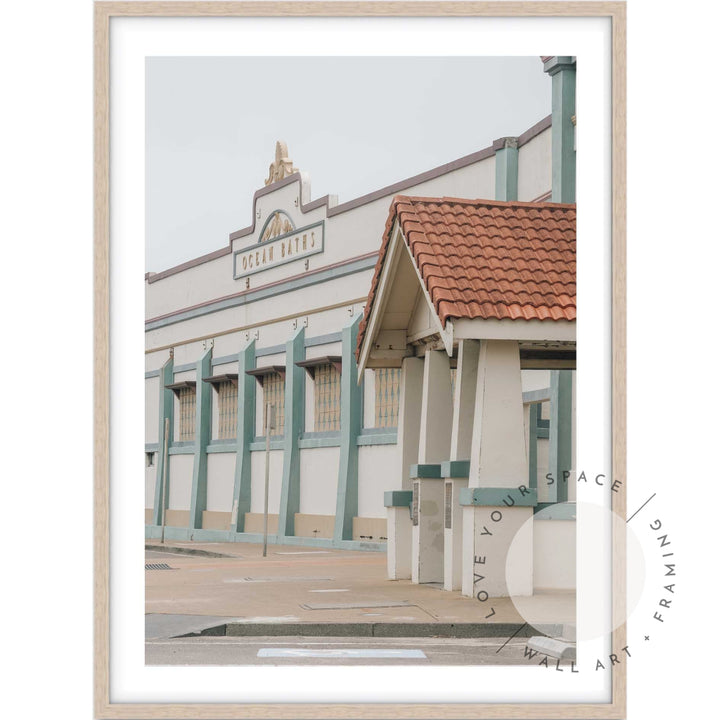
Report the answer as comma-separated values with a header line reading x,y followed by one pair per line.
x,y
231,584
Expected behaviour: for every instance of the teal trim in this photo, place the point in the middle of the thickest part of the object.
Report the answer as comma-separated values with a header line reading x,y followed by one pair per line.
x,y
184,368
222,447
224,360
542,433
455,469
297,283
203,429
506,172
152,532
398,498
377,439
166,406
560,433
152,374
323,339
429,471
182,449
258,444
152,447
319,440
498,497
350,427
532,444
245,434
556,511
562,70
270,350
294,420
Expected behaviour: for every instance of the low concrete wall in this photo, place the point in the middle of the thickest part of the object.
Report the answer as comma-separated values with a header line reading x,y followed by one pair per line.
x,y
177,518
254,523
369,529
314,525
213,520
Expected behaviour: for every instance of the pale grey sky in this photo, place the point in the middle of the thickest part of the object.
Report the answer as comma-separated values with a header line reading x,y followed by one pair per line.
x,y
354,124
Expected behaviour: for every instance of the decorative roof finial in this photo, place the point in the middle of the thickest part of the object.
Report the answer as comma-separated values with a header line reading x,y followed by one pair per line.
x,y
282,167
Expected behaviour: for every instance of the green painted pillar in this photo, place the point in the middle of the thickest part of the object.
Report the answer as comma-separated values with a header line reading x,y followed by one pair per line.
x,y
560,434
294,421
506,168
350,427
532,444
166,407
562,70
245,435
203,422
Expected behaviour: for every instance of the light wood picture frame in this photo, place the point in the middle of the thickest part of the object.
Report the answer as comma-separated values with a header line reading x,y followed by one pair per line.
x,y
104,707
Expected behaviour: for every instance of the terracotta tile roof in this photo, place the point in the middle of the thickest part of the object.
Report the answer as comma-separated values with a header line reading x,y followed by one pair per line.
x,y
486,258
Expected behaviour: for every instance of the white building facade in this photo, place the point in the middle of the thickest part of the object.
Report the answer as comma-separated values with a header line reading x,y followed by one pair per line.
x,y
273,317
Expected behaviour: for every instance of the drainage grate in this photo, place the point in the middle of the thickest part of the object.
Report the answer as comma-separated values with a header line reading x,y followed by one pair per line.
x,y
157,566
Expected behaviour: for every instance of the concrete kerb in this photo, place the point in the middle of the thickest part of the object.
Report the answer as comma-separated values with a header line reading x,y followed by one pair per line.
x,y
156,547
378,629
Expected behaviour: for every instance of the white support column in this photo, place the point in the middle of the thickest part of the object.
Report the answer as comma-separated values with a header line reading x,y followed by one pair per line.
x,y
500,500
437,409
398,518
410,405
456,472
434,448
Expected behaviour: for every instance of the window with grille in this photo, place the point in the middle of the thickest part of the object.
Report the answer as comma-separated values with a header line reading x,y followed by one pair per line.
x,y
387,397
327,398
186,398
274,393
227,395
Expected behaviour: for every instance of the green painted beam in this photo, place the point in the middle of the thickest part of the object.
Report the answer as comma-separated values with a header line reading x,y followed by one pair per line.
x,y
294,421
560,434
398,498
203,423
562,70
506,169
532,444
426,471
556,511
498,497
346,507
245,435
455,469
166,407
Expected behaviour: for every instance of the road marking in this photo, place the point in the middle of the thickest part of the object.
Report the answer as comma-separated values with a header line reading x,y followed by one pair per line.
x,y
304,552
284,578
356,605
340,653
333,590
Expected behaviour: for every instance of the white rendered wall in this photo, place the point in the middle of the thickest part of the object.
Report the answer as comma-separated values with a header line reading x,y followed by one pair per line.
x,y
378,471
150,477
257,487
554,555
152,410
274,314
180,485
318,480
220,481
535,167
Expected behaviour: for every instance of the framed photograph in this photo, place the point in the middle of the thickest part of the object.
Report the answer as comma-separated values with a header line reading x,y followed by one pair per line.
x,y
377,422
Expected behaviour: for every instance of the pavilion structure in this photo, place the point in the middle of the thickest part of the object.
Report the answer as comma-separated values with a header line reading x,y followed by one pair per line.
x,y
467,295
